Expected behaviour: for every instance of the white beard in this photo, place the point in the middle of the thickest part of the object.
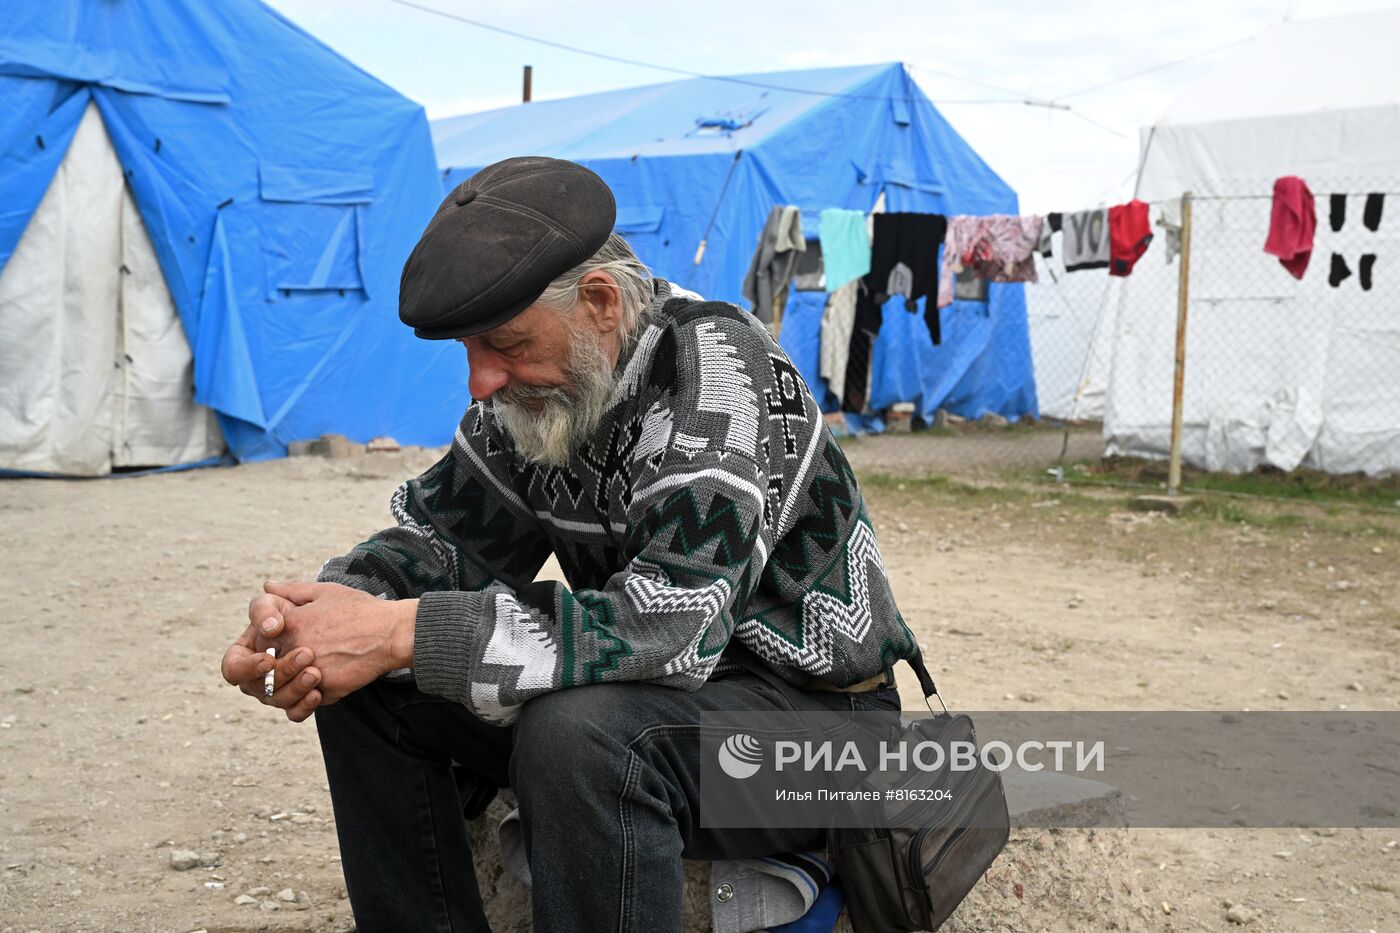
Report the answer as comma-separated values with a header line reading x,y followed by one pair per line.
x,y
568,416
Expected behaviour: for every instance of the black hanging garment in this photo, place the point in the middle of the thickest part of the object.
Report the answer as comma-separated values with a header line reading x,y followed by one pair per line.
x,y
1337,211
911,241
903,257
1371,215
1368,262
1339,271
863,332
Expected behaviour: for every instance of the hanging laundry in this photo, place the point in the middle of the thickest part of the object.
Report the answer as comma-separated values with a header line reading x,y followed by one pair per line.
x,y
809,272
838,320
1169,219
999,247
1339,272
1363,270
1003,251
845,242
1053,221
1129,232
1292,222
1371,214
908,240
1336,210
1086,240
770,270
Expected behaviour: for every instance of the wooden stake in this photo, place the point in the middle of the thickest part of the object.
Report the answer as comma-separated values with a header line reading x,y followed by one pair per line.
x,y
529,71
1183,290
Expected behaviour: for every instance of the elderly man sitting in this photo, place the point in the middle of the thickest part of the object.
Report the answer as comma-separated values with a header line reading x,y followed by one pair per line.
x,y
668,454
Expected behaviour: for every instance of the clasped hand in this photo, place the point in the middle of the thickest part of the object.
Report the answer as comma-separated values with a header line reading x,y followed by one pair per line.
x,y
331,640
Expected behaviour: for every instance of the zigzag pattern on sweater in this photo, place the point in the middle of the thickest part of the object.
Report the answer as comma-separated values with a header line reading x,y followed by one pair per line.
x,y
519,655
651,591
466,512
825,614
721,523
597,649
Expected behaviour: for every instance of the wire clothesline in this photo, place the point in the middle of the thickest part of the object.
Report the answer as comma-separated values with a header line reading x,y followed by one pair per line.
x,y
1270,197
1223,197
1194,198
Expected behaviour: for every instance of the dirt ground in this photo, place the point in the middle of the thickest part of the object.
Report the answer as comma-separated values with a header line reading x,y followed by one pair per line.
x,y
121,746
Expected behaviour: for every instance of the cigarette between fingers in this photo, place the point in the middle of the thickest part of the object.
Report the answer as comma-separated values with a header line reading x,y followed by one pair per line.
x,y
268,677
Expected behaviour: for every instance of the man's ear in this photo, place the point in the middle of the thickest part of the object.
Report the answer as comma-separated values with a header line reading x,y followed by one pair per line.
x,y
603,300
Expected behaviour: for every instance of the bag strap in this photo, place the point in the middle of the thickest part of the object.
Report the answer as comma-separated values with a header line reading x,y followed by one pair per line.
x,y
926,683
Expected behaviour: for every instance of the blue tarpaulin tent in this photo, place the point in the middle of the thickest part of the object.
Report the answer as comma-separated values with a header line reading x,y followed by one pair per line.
x,y
281,187
709,158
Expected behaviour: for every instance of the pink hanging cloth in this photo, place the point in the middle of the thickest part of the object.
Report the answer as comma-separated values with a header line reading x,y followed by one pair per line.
x,y
1292,224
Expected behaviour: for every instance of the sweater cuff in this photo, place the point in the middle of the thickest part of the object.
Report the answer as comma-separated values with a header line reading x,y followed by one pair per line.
x,y
443,635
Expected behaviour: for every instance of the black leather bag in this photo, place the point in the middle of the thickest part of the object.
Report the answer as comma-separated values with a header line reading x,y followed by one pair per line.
x,y
925,848
913,868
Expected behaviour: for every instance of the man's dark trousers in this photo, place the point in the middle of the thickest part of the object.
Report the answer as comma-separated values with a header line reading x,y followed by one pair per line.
x,y
606,777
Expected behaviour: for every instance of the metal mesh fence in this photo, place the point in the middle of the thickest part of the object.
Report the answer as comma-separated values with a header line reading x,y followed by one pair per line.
x,y
1279,371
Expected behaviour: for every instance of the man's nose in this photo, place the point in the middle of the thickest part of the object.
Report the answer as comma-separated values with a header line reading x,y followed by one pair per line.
x,y
487,375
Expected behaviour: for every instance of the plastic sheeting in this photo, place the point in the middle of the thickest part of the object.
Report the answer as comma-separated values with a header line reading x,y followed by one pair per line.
x,y
680,153
281,188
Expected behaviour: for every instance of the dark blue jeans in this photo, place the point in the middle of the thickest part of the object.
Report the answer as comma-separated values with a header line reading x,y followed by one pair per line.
x,y
606,777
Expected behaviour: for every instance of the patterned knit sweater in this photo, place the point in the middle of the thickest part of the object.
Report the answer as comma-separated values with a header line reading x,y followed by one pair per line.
x,y
712,502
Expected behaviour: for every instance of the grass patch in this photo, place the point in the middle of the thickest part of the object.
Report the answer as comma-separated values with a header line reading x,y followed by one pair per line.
x,y
1013,492
942,485
1020,494
899,427
1232,512
1353,489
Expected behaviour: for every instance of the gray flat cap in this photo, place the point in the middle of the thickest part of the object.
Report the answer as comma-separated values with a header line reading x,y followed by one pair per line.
x,y
497,242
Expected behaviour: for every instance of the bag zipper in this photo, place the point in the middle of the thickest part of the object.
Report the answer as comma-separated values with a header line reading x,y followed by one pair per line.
x,y
938,860
917,867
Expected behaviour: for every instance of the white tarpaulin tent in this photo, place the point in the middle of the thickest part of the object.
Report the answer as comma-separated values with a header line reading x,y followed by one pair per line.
x,y
1280,372
96,370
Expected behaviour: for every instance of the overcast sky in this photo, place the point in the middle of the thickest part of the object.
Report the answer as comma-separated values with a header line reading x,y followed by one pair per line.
x,y
1056,160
